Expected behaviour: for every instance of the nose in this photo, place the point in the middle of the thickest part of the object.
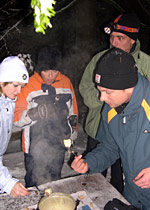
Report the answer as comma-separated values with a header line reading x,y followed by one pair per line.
x,y
103,96
113,41
18,89
50,75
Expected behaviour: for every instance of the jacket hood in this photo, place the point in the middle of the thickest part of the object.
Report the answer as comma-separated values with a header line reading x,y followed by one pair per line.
x,y
137,96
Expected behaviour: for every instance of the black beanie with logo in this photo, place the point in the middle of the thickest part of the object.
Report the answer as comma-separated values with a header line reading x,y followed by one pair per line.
x,y
48,58
116,69
127,24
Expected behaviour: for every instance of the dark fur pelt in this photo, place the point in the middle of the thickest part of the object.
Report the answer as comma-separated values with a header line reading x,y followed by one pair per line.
x,y
47,150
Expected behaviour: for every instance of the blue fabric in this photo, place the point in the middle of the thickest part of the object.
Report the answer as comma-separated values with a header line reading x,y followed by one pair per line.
x,y
6,123
128,141
86,207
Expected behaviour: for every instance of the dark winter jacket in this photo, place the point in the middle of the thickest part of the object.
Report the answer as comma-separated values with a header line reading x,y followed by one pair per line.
x,y
126,135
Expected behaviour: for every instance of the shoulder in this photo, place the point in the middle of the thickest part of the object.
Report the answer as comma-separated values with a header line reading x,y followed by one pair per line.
x,y
91,65
64,78
98,55
144,56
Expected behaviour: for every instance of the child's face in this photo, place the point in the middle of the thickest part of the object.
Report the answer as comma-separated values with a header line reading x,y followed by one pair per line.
x,y
12,89
49,76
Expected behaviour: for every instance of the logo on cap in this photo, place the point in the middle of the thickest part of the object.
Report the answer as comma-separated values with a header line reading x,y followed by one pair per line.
x,y
24,76
107,30
97,78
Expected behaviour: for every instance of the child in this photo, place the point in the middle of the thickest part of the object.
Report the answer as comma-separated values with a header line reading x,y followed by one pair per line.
x,y
13,76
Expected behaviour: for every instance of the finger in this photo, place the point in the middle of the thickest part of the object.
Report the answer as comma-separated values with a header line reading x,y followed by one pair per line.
x,y
141,182
85,168
19,190
144,187
77,158
80,164
139,175
76,161
23,187
22,190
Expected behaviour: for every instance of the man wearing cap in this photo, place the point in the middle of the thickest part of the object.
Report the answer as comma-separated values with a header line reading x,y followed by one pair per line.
x,y
124,128
47,110
123,34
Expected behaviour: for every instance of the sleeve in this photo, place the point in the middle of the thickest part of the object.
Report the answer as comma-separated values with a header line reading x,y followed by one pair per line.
x,y
6,180
106,153
87,87
74,116
21,119
144,65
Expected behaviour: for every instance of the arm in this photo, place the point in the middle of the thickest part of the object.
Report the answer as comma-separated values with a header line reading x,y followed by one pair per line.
x,y
21,118
9,184
73,118
142,60
107,152
144,68
87,87
103,156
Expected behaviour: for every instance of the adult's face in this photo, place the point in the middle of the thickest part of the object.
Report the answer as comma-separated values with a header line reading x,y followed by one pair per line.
x,y
122,41
12,89
49,76
115,98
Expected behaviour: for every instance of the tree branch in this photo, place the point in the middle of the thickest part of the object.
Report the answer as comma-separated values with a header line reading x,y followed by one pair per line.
x,y
14,26
66,7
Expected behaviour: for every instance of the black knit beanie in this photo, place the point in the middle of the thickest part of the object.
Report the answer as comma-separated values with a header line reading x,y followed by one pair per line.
x,y
116,69
48,58
128,24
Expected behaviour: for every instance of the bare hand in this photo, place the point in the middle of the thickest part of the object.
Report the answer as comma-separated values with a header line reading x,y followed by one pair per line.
x,y
19,190
79,165
143,178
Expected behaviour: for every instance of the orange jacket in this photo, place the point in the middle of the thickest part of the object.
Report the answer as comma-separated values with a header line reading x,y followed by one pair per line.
x,y
25,101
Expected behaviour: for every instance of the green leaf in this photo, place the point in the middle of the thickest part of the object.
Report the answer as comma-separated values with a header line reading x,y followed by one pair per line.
x,y
43,11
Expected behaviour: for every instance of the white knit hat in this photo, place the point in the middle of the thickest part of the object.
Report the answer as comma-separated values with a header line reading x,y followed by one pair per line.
x,y
12,69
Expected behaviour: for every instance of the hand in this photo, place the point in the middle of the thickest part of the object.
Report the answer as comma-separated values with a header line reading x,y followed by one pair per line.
x,y
19,190
73,121
143,178
79,165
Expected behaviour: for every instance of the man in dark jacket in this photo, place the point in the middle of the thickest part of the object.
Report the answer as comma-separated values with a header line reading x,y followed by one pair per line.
x,y
124,129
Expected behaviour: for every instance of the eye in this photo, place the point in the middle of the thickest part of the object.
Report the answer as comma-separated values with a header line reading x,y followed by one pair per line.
x,y
120,37
15,85
108,93
111,36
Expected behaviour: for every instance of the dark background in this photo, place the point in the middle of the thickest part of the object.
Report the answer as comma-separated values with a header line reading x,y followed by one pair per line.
x,y
77,31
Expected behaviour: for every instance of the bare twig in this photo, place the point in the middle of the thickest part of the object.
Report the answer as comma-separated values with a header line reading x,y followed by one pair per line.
x,y
14,26
66,7
117,6
144,8
4,11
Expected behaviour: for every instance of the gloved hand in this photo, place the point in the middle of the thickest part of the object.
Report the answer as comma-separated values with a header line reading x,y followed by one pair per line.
x,y
73,121
119,205
42,111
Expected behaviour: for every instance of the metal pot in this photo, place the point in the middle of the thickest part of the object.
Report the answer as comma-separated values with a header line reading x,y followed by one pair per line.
x,y
57,201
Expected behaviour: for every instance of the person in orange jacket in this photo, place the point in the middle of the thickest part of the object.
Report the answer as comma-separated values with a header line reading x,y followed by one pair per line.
x,y
47,111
